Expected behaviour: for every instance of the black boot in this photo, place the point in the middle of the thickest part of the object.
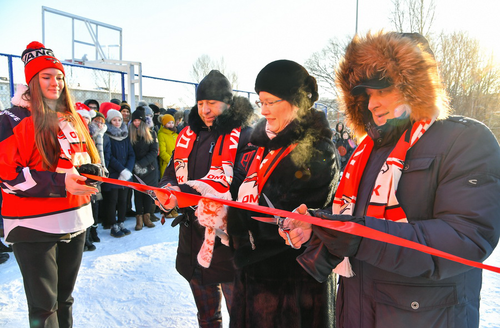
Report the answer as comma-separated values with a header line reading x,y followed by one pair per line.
x,y
88,242
4,257
93,234
5,248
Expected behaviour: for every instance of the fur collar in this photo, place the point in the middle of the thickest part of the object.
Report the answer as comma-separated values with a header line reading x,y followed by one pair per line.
x,y
313,125
117,133
412,70
237,115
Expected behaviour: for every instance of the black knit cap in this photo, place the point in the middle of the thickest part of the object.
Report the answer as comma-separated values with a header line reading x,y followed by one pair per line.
x,y
287,80
140,114
215,86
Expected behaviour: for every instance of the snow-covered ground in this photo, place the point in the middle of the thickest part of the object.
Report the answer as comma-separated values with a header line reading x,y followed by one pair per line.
x,y
132,282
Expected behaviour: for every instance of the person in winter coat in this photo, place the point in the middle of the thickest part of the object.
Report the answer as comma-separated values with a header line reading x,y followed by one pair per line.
x,y
339,130
421,175
145,144
217,133
44,145
92,104
345,148
296,162
97,129
120,166
126,112
166,138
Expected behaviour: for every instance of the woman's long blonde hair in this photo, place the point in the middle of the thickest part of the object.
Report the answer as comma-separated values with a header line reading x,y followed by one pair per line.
x,y
142,131
47,125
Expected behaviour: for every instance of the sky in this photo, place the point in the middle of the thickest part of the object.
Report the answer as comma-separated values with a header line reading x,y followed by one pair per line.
x,y
168,36
132,282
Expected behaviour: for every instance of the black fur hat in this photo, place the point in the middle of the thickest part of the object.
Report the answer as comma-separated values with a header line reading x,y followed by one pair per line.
x,y
215,86
289,81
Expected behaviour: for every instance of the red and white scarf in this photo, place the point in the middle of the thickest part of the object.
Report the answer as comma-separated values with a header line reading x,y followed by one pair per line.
x,y
215,183
260,170
73,152
383,201
258,173
220,176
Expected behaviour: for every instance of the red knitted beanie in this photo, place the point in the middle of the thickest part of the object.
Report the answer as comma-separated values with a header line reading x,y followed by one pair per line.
x,y
36,58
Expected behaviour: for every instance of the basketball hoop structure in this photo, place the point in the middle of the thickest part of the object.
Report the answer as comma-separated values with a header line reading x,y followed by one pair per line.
x,y
102,61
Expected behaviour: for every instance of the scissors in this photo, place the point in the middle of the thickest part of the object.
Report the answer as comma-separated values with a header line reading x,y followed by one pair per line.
x,y
278,220
152,194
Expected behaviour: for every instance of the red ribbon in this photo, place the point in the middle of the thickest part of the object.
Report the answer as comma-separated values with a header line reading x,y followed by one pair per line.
x,y
186,200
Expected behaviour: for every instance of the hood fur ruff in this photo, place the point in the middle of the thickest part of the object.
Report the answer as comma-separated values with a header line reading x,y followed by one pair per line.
x,y
412,70
18,100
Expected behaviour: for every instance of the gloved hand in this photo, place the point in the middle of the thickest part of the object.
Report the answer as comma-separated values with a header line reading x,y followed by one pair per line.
x,y
204,188
125,175
338,243
317,260
213,216
94,169
181,218
139,170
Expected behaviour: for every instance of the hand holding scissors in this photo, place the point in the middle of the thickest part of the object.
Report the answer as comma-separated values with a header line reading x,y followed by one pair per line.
x,y
294,236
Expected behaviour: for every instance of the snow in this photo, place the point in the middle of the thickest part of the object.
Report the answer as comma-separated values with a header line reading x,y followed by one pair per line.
x,y
132,282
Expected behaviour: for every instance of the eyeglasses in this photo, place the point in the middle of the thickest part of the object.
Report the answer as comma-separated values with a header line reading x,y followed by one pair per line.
x,y
267,103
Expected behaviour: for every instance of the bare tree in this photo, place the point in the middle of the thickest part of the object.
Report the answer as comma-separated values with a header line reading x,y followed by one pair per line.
x,y
204,64
413,16
322,65
471,76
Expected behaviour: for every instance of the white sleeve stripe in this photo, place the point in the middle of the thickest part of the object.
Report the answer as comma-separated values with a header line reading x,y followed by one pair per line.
x,y
27,184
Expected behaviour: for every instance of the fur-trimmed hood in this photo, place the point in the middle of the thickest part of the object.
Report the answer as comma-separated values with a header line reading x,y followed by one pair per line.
x,y
390,55
238,114
18,100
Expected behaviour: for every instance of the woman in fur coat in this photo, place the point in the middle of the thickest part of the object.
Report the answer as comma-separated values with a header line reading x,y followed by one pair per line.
x,y
296,162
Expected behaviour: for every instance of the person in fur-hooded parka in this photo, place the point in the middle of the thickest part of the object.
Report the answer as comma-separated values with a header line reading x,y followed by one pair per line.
x,y
446,197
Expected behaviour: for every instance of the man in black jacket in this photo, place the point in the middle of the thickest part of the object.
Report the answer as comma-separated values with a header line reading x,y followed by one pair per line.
x,y
216,137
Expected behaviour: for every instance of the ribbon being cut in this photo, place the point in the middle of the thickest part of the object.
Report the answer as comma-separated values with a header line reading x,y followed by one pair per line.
x,y
186,200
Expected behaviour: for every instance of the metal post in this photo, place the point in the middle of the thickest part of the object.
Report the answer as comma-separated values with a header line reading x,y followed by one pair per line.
x,y
123,85
356,32
11,76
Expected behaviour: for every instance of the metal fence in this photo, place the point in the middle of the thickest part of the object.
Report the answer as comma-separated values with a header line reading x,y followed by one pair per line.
x,y
103,85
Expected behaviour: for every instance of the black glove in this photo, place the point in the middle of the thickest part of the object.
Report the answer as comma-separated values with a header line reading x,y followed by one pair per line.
x,y
94,169
181,218
338,243
317,260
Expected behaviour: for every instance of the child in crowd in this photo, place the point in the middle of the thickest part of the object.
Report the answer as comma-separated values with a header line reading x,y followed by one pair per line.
x,y
97,130
120,166
167,137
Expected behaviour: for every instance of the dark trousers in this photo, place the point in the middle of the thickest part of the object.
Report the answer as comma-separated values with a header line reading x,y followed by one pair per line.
x,y
208,300
49,272
143,202
114,201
